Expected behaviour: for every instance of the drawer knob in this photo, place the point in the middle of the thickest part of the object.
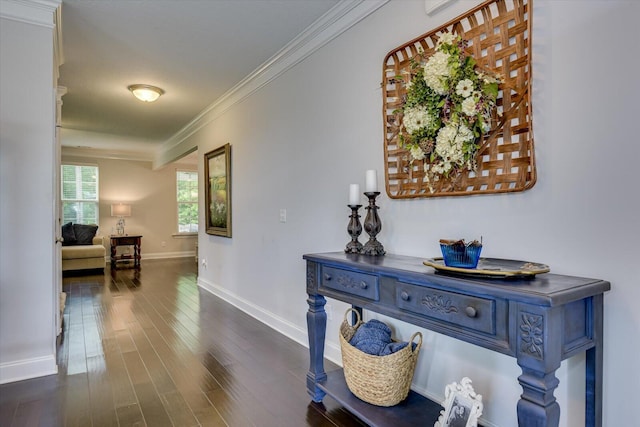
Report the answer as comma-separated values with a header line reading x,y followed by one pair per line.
x,y
327,276
471,312
363,285
405,296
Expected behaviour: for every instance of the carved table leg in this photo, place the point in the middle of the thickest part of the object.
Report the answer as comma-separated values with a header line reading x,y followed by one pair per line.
x,y
316,327
539,355
136,254
537,406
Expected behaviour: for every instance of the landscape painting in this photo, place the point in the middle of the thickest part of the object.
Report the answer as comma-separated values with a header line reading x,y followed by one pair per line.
x,y
217,165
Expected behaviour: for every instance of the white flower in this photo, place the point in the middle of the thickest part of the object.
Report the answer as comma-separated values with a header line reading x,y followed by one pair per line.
x,y
417,153
416,118
449,143
446,38
464,88
469,106
436,70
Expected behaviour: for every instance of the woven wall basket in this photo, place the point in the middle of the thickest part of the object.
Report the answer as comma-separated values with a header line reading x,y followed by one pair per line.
x,y
499,38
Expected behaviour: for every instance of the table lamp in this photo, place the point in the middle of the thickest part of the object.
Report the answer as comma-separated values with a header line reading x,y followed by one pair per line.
x,y
120,210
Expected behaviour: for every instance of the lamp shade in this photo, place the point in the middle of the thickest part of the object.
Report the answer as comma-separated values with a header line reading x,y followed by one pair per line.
x,y
120,209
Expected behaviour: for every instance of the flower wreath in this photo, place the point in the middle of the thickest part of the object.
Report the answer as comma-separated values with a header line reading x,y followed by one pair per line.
x,y
450,104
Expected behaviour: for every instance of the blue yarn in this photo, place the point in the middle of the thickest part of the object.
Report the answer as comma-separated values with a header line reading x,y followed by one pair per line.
x,y
374,337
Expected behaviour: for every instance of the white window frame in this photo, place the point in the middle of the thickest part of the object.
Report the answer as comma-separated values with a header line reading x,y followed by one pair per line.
x,y
63,201
178,202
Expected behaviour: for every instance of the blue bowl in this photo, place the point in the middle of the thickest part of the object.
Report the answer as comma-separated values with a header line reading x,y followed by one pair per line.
x,y
461,256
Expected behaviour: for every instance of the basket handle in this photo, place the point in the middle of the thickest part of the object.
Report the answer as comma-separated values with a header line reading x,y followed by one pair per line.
x,y
416,334
351,309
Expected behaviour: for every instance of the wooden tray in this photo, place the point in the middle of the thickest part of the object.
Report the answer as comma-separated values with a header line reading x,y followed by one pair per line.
x,y
495,268
499,36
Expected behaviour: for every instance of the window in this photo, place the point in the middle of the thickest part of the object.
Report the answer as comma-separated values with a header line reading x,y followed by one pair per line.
x,y
80,194
187,197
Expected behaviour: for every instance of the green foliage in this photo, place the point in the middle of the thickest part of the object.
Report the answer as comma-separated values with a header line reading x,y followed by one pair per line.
x,y
187,197
449,106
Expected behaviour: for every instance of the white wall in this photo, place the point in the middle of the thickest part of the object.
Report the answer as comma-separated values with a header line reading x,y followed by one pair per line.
x,y
27,110
300,141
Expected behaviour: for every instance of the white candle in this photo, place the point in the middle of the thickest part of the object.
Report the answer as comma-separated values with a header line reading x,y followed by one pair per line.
x,y
354,194
371,182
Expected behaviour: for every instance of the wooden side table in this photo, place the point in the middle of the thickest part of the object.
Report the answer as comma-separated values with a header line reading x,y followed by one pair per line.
x,y
126,240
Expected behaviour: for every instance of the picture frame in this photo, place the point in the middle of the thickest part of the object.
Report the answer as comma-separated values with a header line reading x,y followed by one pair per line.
x,y
462,406
217,172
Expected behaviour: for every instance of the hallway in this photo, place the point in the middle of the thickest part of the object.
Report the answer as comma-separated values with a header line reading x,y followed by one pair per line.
x,y
150,348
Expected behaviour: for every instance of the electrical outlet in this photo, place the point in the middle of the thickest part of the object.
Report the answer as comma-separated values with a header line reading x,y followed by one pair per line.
x,y
283,215
163,244
204,263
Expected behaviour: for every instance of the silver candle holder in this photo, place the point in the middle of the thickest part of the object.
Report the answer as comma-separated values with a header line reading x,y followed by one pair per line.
x,y
354,229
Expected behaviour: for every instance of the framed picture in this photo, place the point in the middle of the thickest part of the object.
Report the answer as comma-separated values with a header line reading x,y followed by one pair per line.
x,y
462,406
217,172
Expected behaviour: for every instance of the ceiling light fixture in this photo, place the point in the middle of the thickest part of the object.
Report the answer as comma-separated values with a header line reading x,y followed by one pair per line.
x,y
146,93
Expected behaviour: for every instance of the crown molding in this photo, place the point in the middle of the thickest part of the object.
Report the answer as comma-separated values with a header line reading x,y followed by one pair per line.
x,y
36,12
337,20
97,153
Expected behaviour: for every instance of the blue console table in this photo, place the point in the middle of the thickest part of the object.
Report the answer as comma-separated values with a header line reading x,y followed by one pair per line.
x,y
540,321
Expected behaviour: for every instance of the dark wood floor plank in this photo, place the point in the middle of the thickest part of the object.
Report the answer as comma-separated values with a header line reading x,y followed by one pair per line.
x,y
28,414
156,369
103,411
178,409
8,410
77,403
151,405
202,408
151,348
122,389
130,415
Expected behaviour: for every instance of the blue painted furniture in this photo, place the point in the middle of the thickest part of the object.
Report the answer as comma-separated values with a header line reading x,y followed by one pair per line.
x,y
540,321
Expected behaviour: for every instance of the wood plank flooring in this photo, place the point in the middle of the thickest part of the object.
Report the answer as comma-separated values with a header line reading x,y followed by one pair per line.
x,y
149,348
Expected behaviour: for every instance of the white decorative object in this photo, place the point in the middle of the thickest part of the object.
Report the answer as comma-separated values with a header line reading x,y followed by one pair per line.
x,y
354,194
371,181
433,6
462,406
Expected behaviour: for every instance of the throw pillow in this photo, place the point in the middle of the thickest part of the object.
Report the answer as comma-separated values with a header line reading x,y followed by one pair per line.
x,y
68,235
85,233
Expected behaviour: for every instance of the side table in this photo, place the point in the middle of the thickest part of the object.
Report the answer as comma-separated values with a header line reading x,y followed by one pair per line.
x,y
538,321
126,240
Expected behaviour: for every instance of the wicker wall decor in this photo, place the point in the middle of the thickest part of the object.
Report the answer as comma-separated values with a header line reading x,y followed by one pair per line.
x,y
498,33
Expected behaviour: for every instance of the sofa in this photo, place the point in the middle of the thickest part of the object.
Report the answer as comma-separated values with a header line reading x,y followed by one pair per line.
x,y
82,248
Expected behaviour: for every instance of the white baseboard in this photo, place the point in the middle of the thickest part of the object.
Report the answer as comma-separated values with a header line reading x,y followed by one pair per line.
x,y
28,368
161,255
295,332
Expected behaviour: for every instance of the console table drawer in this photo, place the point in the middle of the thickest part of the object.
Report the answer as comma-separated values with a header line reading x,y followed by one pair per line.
x,y
351,282
464,310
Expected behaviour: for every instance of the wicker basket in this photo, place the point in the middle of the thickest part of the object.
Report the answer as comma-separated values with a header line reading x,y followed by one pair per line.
x,y
379,380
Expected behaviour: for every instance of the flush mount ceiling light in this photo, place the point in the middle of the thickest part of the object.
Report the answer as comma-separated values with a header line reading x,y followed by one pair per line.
x,y
146,93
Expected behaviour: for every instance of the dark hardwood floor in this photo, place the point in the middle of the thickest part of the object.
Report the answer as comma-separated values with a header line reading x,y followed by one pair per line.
x,y
150,348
